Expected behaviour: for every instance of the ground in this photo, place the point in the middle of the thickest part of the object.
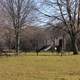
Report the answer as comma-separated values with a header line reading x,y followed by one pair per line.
x,y
25,67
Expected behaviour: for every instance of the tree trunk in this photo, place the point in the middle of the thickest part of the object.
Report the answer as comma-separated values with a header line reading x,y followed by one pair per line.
x,y
17,42
74,46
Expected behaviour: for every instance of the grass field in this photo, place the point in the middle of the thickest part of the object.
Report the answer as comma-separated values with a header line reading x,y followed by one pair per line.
x,y
40,67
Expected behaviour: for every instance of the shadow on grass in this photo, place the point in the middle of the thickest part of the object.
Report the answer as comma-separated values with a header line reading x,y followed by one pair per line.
x,y
39,54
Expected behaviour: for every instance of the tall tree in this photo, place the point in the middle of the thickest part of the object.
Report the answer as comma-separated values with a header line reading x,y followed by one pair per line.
x,y
18,11
66,12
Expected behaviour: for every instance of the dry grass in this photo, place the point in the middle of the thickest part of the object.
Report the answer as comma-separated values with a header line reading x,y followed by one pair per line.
x,y
40,67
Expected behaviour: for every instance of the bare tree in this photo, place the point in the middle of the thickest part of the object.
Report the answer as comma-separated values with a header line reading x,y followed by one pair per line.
x,y
18,11
68,13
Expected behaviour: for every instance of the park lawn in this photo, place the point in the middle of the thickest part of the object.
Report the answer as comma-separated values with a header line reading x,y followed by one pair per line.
x,y
26,67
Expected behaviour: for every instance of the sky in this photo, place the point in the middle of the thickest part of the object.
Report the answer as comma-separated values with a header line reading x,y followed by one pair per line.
x,y
47,8
41,7
39,18
36,17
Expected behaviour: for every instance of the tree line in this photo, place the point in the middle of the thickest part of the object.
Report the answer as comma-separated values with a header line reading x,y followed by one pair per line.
x,y
31,38
66,12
